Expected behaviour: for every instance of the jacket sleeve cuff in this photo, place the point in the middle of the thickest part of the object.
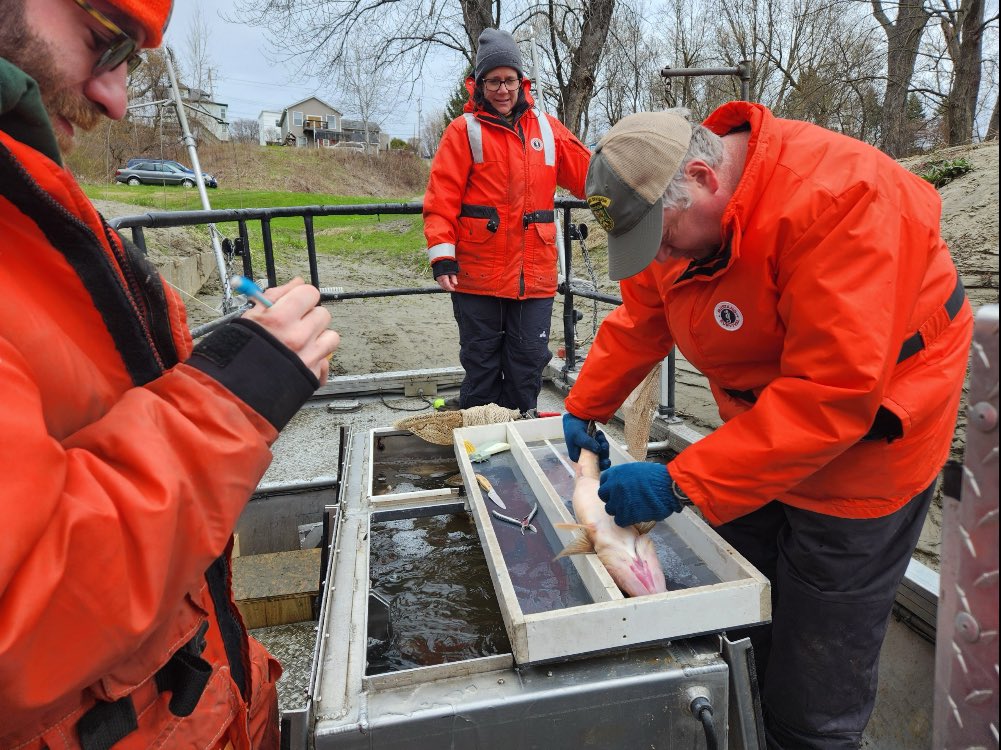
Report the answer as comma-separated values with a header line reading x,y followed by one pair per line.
x,y
257,368
445,267
441,251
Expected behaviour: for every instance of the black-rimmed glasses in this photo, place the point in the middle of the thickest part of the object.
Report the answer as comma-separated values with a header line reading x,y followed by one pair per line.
x,y
494,84
122,48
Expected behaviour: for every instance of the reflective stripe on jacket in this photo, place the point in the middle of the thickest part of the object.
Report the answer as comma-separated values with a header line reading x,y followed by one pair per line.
x,y
489,199
834,260
124,473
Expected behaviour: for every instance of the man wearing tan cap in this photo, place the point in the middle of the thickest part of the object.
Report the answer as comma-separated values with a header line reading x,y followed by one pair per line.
x,y
126,455
803,273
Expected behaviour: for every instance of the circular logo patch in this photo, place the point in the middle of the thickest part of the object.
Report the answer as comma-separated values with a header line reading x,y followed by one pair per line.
x,y
599,207
728,316
537,144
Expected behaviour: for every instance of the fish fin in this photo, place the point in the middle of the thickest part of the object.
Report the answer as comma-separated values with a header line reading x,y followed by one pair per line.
x,y
569,526
470,448
579,545
644,527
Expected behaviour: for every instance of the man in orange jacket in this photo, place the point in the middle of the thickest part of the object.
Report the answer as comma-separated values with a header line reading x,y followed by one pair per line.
x,y
126,454
489,224
803,273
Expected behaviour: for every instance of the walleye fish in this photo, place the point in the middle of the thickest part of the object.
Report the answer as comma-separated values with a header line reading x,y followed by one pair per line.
x,y
627,553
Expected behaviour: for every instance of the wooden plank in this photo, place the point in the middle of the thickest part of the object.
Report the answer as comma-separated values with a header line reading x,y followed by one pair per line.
x,y
606,626
277,587
275,574
507,598
424,675
262,613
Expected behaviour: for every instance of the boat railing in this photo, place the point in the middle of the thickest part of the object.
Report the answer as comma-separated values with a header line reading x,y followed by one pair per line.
x,y
240,247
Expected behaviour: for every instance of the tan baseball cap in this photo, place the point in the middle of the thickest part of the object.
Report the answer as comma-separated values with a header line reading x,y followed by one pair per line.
x,y
630,169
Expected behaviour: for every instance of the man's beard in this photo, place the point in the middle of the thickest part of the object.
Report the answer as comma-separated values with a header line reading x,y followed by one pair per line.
x,y
36,57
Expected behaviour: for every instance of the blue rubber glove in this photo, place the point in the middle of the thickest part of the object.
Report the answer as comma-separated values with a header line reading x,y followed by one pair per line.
x,y
576,437
637,492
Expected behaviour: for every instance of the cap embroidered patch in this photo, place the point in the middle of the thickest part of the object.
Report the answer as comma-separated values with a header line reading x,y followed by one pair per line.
x,y
599,207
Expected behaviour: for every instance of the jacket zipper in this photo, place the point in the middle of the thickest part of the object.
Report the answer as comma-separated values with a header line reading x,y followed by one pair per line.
x,y
138,301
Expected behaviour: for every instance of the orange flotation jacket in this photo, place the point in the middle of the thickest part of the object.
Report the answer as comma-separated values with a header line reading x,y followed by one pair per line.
x,y
126,460
832,328
489,200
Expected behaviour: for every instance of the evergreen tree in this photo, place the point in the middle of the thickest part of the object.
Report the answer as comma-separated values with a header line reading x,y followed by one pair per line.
x,y
458,99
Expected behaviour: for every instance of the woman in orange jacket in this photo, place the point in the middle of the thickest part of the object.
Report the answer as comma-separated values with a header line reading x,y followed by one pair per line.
x,y
489,224
804,274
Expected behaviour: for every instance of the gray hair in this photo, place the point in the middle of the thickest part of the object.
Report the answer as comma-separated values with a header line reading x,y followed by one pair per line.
x,y
705,146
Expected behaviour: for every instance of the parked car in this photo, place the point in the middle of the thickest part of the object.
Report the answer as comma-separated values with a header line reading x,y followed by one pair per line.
x,y
160,172
354,146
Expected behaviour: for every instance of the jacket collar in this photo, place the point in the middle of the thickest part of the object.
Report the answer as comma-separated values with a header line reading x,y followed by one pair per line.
x,y
22,114
763,149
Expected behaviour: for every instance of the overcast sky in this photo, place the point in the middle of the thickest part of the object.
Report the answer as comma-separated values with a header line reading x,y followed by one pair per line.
x,y
249,82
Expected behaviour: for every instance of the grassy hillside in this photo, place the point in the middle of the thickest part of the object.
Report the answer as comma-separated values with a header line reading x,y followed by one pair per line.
x,y
395,175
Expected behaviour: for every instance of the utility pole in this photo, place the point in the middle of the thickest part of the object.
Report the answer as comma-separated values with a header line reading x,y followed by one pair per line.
x,y
417,135
189,141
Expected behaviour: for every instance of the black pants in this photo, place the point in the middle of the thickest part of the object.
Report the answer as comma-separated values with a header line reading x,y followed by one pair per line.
x,y
833,585
503,347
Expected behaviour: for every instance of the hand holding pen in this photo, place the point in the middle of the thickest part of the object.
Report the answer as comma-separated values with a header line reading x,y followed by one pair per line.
x,y
292,315
246,287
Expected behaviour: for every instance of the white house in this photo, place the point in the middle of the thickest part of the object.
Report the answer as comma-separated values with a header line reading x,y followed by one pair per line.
x,y
204,114
269,127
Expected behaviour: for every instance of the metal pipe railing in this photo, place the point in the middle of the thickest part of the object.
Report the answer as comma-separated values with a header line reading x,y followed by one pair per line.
x,y
742,70
265,216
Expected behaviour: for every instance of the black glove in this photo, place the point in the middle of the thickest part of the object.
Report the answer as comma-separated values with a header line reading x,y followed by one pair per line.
x,y
576,436
637,492
445,267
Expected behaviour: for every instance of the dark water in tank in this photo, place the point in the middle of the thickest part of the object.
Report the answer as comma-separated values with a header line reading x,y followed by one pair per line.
x,y
541,583
414,475
442,603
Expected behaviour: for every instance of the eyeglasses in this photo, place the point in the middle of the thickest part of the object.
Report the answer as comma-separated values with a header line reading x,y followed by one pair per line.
x,y
494,84
121,48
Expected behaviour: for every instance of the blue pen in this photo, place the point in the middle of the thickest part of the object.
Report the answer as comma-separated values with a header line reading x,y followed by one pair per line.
x,y
243,285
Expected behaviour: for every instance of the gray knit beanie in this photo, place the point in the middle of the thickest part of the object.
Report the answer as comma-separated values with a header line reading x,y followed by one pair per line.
x,y
496,49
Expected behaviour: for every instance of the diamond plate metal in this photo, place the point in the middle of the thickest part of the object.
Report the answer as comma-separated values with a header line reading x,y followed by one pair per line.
x,y
966,654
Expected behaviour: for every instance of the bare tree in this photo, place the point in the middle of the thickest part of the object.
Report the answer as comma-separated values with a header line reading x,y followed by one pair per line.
x,y
963,30
245,131
197,65
404,33
627,77
992,127
577,33
432,129
371,91
903,40
272,135
688,45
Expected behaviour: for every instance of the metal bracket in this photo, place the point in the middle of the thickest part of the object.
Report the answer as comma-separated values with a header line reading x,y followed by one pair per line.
x,y
420,387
